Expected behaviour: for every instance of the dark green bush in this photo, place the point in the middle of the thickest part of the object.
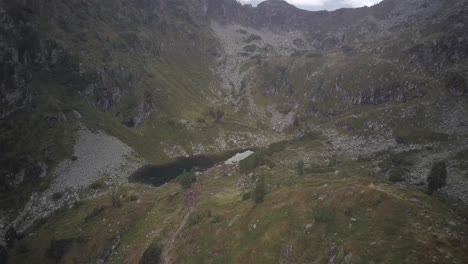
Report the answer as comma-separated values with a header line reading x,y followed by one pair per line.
x,y
186,179
397,175
248,163
315,168
253,161
259,191
216,219
437,178
275,147
78,204
58,248
417,136
116,201
133,197
400,159
246,196
21,249
193,219
98,185
310,135
323,214
152,255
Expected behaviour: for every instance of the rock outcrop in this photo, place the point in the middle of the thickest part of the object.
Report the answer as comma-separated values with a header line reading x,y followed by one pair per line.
x,y
143,112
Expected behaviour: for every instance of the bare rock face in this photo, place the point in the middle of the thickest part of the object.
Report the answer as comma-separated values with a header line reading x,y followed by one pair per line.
x,y
23,169
144,111
23,51
16,53
107,99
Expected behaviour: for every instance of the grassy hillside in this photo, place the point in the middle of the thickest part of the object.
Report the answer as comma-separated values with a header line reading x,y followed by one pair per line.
x,y
309,219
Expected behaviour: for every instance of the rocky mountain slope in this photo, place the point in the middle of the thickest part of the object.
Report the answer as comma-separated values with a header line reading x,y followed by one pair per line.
x,y
91,90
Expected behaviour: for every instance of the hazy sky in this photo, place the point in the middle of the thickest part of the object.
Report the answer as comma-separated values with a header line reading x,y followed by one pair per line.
x,y
322,4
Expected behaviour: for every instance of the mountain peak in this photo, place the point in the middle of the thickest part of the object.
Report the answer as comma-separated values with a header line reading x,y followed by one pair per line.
x,y
276,4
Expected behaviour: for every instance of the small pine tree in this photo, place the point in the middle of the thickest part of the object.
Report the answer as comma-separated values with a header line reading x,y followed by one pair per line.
x,y
259,191
437,177
186,179
300,168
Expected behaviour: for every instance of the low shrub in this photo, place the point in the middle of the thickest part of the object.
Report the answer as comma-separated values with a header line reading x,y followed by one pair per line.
x,y
417,136
116,201
246,196
259,191
275,147
96,211
437,178
78,204
253,161
193,219
152,255
98,185
314,168
133,198
186,179
323,214
401,159
397,175
216,219
58,248
248,164
22,249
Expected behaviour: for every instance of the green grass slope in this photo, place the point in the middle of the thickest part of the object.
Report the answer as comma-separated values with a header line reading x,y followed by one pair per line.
x,y
303,219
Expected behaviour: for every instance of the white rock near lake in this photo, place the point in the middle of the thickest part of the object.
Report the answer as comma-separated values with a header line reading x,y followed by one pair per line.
x,y
238,157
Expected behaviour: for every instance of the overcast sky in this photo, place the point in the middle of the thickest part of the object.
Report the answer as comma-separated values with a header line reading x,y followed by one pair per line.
x,y
322,4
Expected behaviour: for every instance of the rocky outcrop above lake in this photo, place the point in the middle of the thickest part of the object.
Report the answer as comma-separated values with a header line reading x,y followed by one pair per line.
x,y
98,159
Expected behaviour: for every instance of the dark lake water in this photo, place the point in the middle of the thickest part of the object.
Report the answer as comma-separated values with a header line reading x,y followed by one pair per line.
x,y
160,174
